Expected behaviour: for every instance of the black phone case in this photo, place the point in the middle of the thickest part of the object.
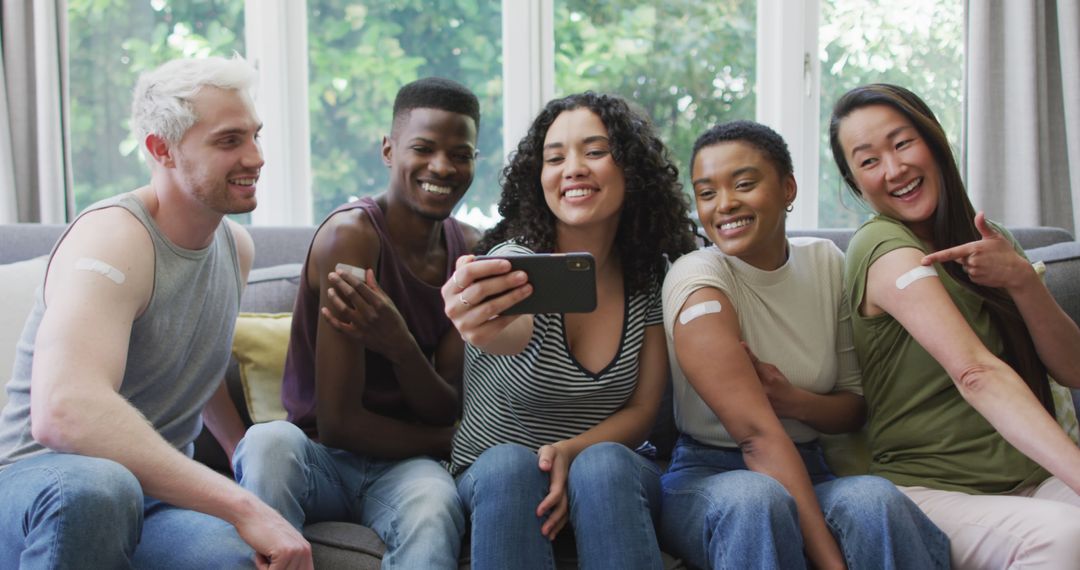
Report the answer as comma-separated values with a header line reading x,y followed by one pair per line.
x,y
562,282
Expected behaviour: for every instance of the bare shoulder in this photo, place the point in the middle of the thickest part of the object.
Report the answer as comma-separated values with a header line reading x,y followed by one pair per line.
x,y
107,255
472,235
245,246
346,237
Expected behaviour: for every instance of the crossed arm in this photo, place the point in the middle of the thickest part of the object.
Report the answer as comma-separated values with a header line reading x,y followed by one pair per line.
x,y
432,391
75,403
928,313
835,412
735,394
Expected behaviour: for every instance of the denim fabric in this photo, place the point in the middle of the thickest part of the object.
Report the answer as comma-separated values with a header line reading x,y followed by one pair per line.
x,y
411,504
72,511
614,497
719,515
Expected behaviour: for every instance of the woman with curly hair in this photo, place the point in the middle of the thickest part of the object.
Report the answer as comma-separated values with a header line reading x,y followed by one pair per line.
x,y
557,404
957,335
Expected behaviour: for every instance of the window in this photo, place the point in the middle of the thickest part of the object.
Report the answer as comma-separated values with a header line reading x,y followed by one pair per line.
x,y
872,41
360,53
687,64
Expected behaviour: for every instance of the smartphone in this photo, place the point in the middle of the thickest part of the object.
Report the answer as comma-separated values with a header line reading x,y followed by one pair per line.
x,y
562,282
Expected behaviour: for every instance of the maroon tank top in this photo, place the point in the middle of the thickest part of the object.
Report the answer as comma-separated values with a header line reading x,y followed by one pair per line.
x,y
420,304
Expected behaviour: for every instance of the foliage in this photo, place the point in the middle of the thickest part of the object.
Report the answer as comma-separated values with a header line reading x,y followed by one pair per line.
x,y
871,41
687,63
360,53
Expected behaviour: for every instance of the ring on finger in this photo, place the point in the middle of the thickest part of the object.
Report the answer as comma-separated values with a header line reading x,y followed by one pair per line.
x,y
462,299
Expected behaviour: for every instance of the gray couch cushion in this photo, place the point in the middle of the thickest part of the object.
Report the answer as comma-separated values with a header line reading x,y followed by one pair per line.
x,y
1031,238
24,241
271,289
1062,274
280,245
344,545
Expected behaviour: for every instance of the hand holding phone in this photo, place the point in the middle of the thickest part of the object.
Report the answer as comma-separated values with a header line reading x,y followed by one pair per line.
x,y
561,282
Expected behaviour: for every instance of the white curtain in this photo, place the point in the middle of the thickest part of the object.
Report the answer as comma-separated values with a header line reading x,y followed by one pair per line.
x,y
35,165
1022,124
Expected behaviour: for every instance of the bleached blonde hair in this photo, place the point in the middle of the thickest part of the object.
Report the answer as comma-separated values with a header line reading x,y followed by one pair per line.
x,y
162,101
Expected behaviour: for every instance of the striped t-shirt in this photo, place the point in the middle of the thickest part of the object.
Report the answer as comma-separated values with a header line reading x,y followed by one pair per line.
x,y
542,394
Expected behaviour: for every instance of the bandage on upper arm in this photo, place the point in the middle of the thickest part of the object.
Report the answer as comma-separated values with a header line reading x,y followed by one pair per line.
x,y
698,310
101,268
914,275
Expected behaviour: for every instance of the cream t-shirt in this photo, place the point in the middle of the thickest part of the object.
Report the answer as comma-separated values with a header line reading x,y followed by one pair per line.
x,y
793,317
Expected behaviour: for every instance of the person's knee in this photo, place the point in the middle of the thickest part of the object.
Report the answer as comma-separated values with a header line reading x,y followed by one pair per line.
x,y
865,494
508,462
602,460
1059,535
747,492
502,475
272,439
604,467
275,442
102,487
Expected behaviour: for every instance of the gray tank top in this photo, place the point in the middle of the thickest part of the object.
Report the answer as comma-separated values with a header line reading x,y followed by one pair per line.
x,y
179,346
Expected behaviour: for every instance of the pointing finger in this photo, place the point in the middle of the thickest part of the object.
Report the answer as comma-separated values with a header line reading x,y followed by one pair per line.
x,y
951,254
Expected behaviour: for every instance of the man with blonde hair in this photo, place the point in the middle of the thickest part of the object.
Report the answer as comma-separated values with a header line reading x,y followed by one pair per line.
x,y
127,344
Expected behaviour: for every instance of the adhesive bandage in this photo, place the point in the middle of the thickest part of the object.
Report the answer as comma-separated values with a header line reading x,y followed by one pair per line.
x,y
914,275
100,267
695,311
357,272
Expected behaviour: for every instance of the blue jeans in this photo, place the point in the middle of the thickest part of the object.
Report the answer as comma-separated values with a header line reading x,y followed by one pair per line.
x,y
717,514
614,497
411,504
71,511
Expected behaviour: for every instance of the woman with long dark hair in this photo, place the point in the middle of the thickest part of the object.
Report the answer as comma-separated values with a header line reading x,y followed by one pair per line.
x,y
955,346
557,404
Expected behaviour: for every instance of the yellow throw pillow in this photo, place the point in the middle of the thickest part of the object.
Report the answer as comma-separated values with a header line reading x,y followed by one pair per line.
x,y
259,346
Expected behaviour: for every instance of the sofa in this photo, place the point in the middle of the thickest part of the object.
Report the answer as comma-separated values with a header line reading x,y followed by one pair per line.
x,y
268,300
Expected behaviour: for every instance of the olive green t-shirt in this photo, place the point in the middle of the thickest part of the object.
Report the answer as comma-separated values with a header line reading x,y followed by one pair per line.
x,y
921,430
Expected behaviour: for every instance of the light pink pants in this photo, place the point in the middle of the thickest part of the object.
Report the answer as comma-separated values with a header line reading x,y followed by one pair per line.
x,y
1037,527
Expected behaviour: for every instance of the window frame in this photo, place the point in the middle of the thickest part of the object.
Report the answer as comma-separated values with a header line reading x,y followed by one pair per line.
x,y
787,88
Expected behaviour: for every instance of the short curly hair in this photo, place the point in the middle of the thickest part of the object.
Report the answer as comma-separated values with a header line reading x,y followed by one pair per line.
x,y
655,220
767,141
436,93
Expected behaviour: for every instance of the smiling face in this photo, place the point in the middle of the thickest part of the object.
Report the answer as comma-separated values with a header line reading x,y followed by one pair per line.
x,y
582,183
218,159
740,200
892,165
432,157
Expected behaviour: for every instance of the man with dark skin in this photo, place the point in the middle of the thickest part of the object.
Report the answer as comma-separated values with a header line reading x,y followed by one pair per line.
x,y
373,385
